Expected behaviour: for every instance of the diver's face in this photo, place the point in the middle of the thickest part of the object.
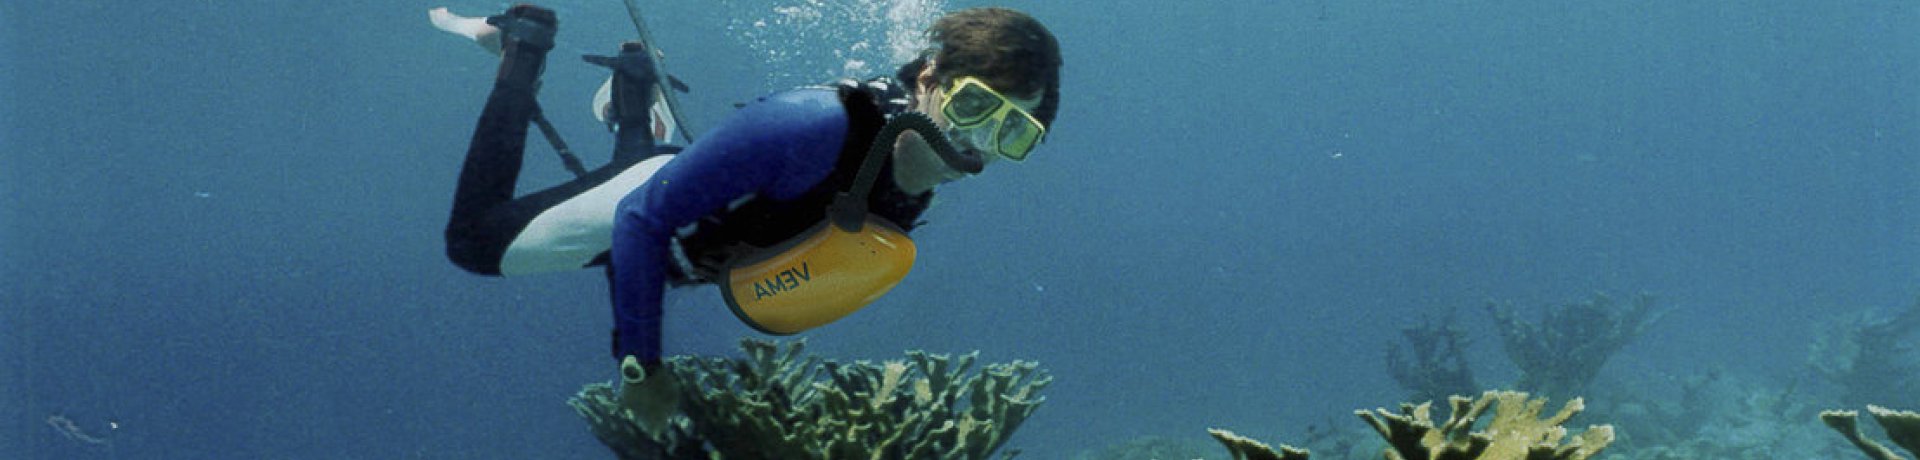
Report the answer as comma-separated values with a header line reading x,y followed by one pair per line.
x,y
931,94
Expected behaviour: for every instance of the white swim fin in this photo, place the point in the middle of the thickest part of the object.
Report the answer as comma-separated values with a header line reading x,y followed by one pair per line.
x,y
476,29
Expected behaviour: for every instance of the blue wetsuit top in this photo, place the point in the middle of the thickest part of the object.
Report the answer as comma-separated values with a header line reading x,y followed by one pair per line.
x,y
779,147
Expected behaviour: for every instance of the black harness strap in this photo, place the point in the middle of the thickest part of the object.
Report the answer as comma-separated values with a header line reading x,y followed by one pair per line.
x,y
559,146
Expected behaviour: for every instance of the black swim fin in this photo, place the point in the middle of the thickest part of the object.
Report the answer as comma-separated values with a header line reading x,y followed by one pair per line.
x,y
634,78
526,35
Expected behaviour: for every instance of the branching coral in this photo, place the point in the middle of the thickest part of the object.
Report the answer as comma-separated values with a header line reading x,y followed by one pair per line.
x,y
1433,365
1516,432
1903,427
779,404
615,427
1244,448
1560,355
1872,358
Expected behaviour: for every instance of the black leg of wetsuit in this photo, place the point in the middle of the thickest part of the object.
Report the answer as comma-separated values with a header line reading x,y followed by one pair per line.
x,y
633,140
486,217
634,80
475,239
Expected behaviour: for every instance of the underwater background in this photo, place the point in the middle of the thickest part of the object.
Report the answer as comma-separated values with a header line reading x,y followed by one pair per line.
x,y
220,222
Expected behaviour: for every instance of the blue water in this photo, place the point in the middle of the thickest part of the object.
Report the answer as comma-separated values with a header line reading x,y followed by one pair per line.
x,y
221,221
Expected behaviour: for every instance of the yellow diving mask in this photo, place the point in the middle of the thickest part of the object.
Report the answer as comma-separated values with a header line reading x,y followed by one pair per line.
x,y
987,120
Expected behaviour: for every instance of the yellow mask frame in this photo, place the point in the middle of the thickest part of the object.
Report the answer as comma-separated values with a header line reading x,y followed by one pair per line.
x,y
988,121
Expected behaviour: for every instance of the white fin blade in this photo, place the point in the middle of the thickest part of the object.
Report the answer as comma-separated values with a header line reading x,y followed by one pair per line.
x,y
603,102
476,29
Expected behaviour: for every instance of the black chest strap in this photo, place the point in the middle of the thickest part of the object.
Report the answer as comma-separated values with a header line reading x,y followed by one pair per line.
x,y
762,222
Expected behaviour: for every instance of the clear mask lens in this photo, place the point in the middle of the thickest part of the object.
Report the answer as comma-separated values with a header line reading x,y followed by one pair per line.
x,y
983,120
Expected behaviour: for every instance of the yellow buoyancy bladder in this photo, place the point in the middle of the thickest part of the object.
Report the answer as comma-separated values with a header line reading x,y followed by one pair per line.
x,y
818,276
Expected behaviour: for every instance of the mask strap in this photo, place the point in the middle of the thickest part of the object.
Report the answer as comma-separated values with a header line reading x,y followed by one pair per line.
x,y
909,75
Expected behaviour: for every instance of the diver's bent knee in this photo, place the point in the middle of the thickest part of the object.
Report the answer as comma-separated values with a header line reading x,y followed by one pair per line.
x,y
470,257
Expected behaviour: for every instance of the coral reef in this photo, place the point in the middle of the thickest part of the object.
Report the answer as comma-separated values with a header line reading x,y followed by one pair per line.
x,y
1433,365
1709,416
1871,358
1903,428
615,427
776,402
1515,433
779,404
1243,448
1560,355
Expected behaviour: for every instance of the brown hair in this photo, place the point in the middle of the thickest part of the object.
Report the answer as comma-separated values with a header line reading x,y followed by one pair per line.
x,y
1007,49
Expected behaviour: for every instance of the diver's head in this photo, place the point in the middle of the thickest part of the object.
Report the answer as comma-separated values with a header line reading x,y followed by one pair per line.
x,y
1006,49
993,65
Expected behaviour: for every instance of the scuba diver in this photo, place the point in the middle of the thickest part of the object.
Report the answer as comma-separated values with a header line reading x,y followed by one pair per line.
x,y
797,204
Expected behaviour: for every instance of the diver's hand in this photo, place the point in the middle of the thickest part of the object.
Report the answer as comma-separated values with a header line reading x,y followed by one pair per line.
x,y
648,396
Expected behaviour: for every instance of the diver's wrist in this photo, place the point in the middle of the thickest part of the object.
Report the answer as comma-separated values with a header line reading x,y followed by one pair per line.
x,y
633,369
